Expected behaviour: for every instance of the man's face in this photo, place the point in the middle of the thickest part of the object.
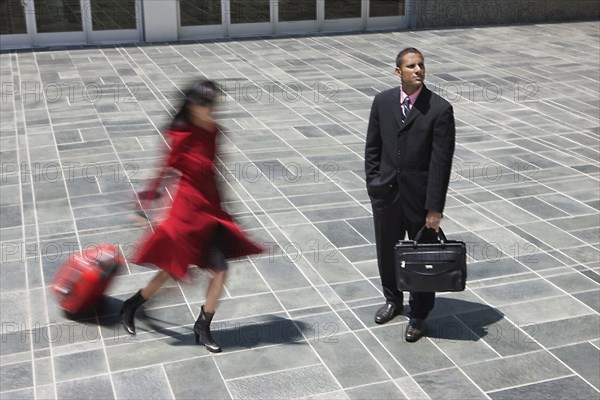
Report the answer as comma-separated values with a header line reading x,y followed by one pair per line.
x,y
411,72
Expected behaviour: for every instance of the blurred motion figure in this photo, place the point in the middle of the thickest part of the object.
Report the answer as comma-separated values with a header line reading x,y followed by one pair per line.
x,y
196,231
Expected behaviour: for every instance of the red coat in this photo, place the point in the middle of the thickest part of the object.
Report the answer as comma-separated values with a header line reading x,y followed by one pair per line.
x,y
185,236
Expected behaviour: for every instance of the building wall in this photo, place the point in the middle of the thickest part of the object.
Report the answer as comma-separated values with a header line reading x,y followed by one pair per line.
x,y
455,13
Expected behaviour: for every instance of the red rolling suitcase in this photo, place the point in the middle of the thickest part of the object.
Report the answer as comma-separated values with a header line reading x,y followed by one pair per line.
x,y
83,278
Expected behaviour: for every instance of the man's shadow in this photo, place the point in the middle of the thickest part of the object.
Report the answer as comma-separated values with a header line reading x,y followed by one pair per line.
x,y
455,319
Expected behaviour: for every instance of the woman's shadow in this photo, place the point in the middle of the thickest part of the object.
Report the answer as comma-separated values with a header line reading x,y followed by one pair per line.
x,y
241,333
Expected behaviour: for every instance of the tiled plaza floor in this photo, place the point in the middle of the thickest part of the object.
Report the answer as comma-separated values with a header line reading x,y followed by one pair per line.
x,y
81,131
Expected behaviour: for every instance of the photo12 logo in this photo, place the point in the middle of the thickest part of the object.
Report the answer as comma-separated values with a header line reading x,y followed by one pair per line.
x,y
287,92
72,92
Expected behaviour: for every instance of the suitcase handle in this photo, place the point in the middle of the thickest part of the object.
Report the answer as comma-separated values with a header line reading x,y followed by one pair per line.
x,y
64,291
440,234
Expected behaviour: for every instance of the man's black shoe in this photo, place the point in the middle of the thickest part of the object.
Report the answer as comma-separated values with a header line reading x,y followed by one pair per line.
x,y
387,312
414,330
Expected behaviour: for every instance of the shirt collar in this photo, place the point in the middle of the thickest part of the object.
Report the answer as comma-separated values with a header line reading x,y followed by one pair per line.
x,y
413,97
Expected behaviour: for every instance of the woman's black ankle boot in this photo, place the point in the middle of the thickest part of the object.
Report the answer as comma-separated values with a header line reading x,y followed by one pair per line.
x,y
202,330
128,311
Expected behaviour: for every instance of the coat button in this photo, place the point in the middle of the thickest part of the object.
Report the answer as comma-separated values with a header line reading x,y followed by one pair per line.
x,y
398,170
398,153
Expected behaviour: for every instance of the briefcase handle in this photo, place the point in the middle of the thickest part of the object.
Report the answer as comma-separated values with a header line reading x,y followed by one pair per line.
x,y
440,234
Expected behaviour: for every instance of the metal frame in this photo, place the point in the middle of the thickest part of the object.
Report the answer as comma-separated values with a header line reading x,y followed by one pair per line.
x,y
86,36
226,29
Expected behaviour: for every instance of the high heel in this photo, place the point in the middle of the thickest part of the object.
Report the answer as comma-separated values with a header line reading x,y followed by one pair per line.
x,y
128,311
202,330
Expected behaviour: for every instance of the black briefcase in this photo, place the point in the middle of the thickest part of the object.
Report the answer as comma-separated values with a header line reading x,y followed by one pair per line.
x,y
431,267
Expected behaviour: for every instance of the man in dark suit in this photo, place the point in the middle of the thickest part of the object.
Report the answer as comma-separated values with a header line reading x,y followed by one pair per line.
x,y
408,160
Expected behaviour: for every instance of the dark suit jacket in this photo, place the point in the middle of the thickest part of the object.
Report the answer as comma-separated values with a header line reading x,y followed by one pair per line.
x,y
413,158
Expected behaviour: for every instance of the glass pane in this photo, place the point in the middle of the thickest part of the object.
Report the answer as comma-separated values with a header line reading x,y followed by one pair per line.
x,y
12,17
386,8
113,14
194,12
338,9
249,11
297,10
58,16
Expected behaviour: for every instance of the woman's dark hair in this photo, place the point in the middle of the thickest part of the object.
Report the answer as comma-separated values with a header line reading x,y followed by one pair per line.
x,y
204,93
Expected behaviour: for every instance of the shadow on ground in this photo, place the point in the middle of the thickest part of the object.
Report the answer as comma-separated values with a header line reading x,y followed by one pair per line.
x,y
456,319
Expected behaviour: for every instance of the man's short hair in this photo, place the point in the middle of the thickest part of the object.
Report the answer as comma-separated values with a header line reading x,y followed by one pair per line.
x,y
408,50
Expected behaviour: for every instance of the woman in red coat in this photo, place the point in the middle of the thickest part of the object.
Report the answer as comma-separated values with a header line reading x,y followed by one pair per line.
x,y
197,231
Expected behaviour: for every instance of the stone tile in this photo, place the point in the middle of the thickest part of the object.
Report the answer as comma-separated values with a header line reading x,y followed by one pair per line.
x,y
368,268
349,361
364,226
574,282
551,334
285,384
88,388
356,290
501,335
360,253
281,273
241,307
518,292
555,238
449,384
566,204
583,254
299,298
258,331
539,208
140,353
555,389
584,359
430,358
492,269
340,234
183,379
13,276
332,267
13,308
324,327
450,335
321,213
79,365
148,383
265,360
384,390
469,218
578,222
591,299
544,310
44,374
515,371
506,210
23,394
16,376
539,260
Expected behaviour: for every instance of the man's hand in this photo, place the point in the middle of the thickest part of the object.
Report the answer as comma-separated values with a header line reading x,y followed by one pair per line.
x,y
433,219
